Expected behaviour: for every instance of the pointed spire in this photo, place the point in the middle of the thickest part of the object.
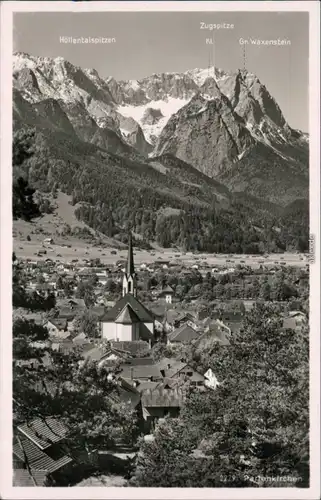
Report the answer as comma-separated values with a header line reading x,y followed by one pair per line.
x,y
130,258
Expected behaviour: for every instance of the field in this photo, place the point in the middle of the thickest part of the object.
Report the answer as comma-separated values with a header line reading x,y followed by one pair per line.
x,y
68,248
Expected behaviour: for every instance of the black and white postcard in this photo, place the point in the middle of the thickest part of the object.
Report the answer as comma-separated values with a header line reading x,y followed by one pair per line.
x,y
160,250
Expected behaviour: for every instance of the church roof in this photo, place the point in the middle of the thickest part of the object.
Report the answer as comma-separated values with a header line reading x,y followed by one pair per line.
x,y
142,313
127,316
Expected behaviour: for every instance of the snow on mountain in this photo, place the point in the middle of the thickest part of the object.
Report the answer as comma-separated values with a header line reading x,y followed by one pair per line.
x,y
167,108
142,108
200,75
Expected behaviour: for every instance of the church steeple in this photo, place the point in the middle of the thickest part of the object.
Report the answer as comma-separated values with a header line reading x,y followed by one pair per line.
x,y
130,258
129,279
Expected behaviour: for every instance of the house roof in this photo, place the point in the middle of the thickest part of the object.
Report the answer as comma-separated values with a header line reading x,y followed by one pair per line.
x,y
167,290
296,313
140,361
161,397
43,432
142,313
95,354
139,372
22,478
185,333
146,384
126,393
174,315
127,316
57,322
215,333
67,312
133,347
37,459
75,303
98,311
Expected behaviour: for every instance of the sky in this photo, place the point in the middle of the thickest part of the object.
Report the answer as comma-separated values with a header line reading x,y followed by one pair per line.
x,y
160,42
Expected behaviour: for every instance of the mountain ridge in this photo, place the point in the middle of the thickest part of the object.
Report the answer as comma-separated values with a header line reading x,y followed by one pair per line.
x,y
210,139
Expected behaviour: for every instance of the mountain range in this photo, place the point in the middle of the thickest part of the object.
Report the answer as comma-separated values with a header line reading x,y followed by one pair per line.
x,y
202,138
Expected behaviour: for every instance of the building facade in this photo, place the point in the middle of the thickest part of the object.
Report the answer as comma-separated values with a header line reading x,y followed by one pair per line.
x,y
128,320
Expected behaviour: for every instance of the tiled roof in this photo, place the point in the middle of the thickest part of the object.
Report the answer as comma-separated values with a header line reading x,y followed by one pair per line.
x,y
22,478
161,397
127,393
175,368
127,316
43,432
140,372
140,361
133,346
76,303
95,354
170,366
37,459
183,334
143,314
146,384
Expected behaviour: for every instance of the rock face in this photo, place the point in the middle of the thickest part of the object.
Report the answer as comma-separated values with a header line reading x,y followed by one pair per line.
x,y
207,132
152,116
235,132
88,101
226,125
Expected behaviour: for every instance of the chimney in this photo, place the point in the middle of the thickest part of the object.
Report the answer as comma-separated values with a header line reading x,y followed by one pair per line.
x,y
132,373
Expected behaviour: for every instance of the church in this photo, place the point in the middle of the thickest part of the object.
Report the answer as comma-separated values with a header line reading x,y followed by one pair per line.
x,y
128,320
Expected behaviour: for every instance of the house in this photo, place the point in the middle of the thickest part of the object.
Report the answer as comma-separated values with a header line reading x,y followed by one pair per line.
x,y
300,316
160,402
73,304
176,318
183,334
65,346
170,368
39,450
215,331
57,327
128,320
168,294
295,320
133,373
112,356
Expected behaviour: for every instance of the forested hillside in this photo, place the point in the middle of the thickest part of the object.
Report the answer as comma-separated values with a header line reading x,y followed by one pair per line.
x,y
162,199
